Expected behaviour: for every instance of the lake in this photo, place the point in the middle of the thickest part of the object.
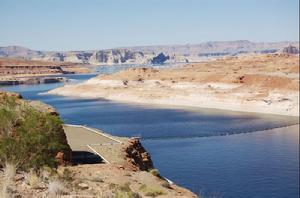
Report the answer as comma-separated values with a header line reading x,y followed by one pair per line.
x,y
211,152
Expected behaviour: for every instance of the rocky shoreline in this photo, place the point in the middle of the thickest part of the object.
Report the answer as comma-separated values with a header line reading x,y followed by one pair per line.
x,y
133,175
32,80
250,83
20,71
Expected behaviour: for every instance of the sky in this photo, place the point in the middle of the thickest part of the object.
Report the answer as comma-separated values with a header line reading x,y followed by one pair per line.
x,y
102,24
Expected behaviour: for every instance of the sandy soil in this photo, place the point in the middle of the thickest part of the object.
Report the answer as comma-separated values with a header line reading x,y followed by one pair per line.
x,y
92,181
250,83
119,178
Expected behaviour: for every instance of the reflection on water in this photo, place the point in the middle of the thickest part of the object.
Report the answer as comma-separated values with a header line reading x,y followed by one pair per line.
x,y
126,120
260,164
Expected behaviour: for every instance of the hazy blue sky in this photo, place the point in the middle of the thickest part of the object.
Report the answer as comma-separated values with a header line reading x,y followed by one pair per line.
x,y
98,24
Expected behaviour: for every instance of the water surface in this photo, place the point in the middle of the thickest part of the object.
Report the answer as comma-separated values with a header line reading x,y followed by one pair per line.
x,y
195,148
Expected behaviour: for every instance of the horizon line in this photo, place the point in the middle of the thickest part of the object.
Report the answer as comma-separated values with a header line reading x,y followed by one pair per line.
x,y
154,45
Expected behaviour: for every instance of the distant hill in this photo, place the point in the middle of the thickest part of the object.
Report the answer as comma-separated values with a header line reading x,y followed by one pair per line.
x,y
215,47
148,54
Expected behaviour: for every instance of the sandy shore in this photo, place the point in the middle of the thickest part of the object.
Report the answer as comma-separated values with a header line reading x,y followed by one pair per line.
x,y
261,84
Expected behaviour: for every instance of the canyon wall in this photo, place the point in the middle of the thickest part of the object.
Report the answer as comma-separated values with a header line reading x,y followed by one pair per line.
x,y
148,54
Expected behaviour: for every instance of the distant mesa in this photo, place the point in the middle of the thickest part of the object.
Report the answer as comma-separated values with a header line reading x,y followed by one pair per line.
x,y
155,54
15,51
290,50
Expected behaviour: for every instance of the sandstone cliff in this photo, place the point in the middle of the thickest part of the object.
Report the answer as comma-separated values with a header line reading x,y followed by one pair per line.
x,y
148,54
136,156
21,71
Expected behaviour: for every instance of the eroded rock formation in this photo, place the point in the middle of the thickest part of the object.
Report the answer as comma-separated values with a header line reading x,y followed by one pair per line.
x,y
148,54
291,50
136,156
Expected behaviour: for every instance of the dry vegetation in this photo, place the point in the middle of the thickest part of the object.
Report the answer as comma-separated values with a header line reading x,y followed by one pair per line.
x,y
35,160
96,181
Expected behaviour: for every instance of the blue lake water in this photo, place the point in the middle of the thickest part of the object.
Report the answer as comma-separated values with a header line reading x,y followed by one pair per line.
x,y
195,149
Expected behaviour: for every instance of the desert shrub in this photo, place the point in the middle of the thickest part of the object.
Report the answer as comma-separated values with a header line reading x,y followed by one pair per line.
x,y
112,186
55,188
46,173
29,138
32,179
143,188
122,194
154,172
152,192
127,174
68,175
124,191
9,172
97,179
125,187
9,114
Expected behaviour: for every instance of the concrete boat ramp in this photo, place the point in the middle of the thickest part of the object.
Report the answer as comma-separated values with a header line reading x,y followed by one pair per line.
x,y
92,146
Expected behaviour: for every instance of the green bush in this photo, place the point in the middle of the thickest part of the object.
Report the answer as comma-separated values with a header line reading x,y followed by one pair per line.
x,y
9,114
29,138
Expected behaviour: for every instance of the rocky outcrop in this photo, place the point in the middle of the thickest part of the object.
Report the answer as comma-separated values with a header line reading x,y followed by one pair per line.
x,y
31,80
160,59
290,50
136,156
16,70
117,56
42,107
3,94
21,67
